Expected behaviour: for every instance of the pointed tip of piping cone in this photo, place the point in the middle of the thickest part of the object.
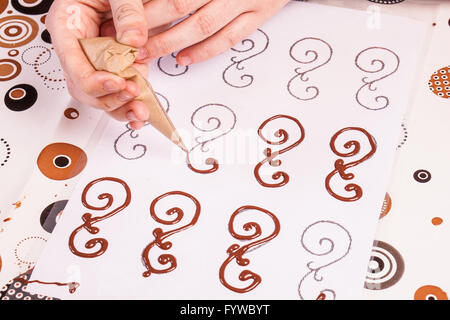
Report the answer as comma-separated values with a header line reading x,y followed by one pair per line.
x,y
179,142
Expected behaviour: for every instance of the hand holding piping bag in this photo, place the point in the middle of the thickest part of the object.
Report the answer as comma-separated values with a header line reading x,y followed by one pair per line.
x,y
212,27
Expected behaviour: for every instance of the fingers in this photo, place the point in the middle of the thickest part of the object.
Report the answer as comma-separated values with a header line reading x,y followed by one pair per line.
x,y
226,38
130,22
173,10
134,111
117,100
73,60
204,23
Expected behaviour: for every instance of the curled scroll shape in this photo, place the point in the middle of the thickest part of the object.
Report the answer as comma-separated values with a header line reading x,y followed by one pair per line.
x,y
312,53
138,150
168,65
212,126
283,137
89,221
160,235
236,252
382,68
340,167
310,234
246,46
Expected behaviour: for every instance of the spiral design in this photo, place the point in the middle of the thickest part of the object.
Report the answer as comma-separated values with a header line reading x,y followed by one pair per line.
x,y
253,231
100,243
280,178
340,167
175,215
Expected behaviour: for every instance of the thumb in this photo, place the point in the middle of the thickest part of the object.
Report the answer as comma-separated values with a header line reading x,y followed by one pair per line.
x,y
130,22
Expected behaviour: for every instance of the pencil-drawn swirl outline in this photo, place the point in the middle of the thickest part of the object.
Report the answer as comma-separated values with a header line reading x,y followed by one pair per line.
x,y
236,62
161,235
302,74
133,134
314,271
203,145
183,70
340,166
89,221
369,84
270,156
236,252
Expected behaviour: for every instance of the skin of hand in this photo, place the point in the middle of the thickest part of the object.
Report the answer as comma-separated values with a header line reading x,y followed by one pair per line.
x,y
213,26
209,28
70,20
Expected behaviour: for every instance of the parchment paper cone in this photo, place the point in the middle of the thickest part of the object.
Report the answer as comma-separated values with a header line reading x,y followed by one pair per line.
x,y
106,54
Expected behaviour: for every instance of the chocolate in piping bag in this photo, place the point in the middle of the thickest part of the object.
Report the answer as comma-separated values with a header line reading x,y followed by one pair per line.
x,y
106,54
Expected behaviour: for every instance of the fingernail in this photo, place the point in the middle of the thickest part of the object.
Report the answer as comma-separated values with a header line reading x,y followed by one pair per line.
x,y
111,86
130,35
142,54
131,116
184,61
124,96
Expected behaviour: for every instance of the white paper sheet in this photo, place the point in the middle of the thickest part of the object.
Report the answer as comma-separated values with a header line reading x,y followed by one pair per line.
x,y
324,243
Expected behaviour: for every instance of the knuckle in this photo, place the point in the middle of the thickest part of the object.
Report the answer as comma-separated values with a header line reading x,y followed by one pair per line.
x,y
125,11
205,24
161,46
182,7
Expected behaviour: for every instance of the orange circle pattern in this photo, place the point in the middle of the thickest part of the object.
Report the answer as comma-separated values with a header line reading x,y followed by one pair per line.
x,y
430,293
61,161
16,31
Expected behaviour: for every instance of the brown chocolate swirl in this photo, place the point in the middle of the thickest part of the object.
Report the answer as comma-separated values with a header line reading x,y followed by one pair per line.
x,y
160,235
89,221
340,167
271,155
236,252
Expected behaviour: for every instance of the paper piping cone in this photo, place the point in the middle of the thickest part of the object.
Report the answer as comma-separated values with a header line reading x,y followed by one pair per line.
x,y
106,54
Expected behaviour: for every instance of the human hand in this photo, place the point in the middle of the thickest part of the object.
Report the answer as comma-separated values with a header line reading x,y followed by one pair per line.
x,y
100,89
216,26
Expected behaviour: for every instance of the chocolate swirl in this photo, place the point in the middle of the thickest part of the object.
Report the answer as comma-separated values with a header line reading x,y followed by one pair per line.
x,y
248,45
161,235
309,236
236,252
139,148
89,221
365,92
320,53
340,167
168,65
213,127
271,155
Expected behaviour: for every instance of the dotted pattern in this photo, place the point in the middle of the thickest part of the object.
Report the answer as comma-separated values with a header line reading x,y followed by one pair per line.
x,y
8,152
16,251
404,138
36,62
440,82
17,290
